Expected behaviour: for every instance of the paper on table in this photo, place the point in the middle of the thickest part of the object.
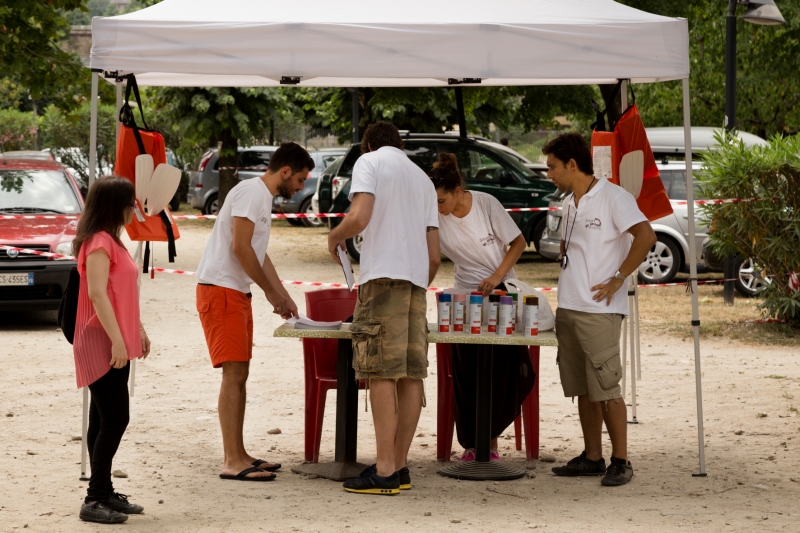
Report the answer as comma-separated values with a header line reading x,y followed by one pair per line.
x,y
347,267
306,323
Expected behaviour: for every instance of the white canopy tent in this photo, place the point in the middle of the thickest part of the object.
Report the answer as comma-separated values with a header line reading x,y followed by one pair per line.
x,y
415,43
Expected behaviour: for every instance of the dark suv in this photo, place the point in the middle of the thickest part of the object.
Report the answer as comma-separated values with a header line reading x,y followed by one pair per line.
x,y
485,168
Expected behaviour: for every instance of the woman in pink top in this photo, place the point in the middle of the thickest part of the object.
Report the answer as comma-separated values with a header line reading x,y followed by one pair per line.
x,y
108,333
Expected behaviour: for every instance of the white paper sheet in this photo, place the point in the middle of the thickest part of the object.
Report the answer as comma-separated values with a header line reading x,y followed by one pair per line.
x,y
347,267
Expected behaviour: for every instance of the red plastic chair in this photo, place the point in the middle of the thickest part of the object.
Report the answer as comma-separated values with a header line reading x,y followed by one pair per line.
x,y
445,416
319,360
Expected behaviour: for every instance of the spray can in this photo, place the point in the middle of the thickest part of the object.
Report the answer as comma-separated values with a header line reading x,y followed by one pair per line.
x,y
514,324
494,302
475,313
504,328
459,312
530,316
445,312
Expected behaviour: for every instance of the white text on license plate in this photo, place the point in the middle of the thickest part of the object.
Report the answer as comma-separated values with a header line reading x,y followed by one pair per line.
x,y
16,279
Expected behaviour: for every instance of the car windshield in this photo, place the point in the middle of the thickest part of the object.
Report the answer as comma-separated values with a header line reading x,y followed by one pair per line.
x,y
675,184
37,191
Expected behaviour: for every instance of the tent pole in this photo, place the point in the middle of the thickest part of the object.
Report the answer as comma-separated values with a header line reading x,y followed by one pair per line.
x,y
624,352
93,132
136,257
462,119
356,136
84,431
633,320
118,85
687,134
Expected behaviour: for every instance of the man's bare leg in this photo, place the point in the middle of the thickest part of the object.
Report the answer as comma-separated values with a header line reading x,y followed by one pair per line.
x,y
591,416
384,418
616,419
231,406
409,399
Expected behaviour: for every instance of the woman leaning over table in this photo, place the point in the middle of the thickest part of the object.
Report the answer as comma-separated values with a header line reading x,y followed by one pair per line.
x,y
474,230
108,333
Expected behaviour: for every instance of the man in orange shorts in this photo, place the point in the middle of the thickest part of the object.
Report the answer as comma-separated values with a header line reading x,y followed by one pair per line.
x,y
236,257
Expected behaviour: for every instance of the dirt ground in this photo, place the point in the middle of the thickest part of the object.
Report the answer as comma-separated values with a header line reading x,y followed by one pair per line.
x,y
172,449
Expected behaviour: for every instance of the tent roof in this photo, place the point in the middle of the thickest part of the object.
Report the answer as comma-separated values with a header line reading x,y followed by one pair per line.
x,y
371,43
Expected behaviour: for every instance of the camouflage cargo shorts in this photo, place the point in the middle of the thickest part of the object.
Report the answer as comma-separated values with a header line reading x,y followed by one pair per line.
x,y
390,330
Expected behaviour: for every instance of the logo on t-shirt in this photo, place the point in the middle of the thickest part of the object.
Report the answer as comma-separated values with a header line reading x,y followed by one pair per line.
x,y
593,223
263,220
488,240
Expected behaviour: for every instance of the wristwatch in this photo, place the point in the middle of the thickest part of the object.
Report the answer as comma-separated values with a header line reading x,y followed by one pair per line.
x,y
619,275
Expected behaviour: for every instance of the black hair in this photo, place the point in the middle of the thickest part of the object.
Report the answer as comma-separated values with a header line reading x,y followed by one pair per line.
x,y
571,146
445,173
290,155
108,200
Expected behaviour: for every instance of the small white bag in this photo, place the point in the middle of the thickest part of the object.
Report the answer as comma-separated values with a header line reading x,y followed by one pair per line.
x,y
547,320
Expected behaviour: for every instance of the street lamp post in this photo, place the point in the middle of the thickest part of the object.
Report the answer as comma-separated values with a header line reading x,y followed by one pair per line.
x,y
763,12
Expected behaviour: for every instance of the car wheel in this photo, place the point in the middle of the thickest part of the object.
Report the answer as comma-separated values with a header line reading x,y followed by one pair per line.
x,y
212,206
309,222
354,247
751,279
662,262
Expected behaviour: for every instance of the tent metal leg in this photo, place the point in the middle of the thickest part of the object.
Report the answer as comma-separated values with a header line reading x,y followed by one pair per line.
x,y
462,120
633,321
93,132
638,329
698,375
136,257
84,431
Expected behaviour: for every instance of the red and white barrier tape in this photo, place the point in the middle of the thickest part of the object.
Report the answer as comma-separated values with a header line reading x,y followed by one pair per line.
x,y
341,215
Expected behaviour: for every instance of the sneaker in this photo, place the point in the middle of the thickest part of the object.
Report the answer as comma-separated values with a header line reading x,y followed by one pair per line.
x,y
119,502
372,483
468,455
581,466
494,455
619,472
405,478
101,513
403,474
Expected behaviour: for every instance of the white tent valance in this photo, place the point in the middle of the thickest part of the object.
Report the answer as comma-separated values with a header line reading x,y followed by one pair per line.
x,y
414,43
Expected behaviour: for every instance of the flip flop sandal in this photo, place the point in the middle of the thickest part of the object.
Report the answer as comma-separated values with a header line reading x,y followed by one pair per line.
x,y
242,476
258,462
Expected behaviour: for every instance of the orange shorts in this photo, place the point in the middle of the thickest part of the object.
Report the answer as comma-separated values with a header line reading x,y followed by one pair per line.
x,y
227,319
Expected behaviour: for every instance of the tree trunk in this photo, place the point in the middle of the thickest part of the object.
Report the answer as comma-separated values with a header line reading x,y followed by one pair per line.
x,y
228,162
614,107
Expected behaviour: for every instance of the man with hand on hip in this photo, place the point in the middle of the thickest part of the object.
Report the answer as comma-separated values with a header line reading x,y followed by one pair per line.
x,y
394,204
597,257
236,257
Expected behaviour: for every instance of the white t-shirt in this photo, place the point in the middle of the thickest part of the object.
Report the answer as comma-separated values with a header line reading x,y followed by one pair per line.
x,y
219,266
477,243
597,246
395,244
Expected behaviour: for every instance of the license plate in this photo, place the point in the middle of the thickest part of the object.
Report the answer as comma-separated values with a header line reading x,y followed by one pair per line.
x,y
16,279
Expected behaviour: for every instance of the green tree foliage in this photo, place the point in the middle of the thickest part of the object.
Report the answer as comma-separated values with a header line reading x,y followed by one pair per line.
x,y
67,137
17,130
211,115
433,109
30,32
767,231
767,73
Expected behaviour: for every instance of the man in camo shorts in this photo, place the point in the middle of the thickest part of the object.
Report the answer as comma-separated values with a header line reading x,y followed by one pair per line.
x,y
394,204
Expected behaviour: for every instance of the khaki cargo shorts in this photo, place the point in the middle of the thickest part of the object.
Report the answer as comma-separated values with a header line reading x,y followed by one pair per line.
x,y
390,330
588,354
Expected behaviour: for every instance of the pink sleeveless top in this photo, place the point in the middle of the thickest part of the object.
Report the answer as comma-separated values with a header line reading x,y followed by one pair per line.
x,y
92,345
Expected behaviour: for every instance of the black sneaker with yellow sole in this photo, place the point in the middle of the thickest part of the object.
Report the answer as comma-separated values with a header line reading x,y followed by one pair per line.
x,y
405,478
372,483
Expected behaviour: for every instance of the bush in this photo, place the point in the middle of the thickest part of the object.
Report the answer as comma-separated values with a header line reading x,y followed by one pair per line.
x,y
17,130
767,230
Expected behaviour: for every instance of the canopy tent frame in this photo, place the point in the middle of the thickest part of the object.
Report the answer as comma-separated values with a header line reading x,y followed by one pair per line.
x,y
649,66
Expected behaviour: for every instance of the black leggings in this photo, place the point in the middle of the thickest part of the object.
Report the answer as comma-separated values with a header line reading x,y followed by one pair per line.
x,y
108,417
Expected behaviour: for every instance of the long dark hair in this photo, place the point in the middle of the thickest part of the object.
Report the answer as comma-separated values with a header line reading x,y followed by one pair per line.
x,y
445,173
106,203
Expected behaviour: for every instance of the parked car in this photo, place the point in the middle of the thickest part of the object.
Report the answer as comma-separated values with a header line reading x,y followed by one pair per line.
x,y
330,171
29,154
204,183
670,254
751,278
301,202
183,188
485,168
36,187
